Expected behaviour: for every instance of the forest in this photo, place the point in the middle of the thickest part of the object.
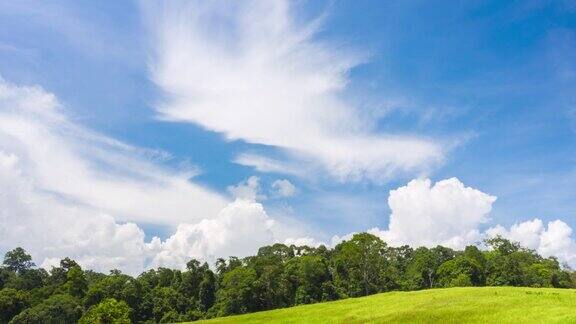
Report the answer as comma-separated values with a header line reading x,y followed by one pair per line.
x,y
277,276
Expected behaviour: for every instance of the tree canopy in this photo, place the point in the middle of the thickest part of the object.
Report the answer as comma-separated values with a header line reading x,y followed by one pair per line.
x,y
277,276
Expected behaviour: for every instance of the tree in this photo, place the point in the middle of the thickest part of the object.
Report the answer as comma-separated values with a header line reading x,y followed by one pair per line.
x,y
459,272
61,309
112,286
166,299
504,263
76,282
68,264
107,311
236,293
207,290
5,276
28,279
277,276
502,245
18,260
421,271
310,272
12,302
360,265
191,279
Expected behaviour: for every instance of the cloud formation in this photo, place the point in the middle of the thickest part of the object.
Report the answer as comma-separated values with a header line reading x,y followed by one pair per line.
x,y
90,169
51,228
63,188
450,214
54,172
283,188
247,190
247,70
238,230
446,213
554,239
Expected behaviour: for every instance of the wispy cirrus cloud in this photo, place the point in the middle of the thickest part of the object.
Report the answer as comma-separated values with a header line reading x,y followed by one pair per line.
x,y
68,191
248,71
77,164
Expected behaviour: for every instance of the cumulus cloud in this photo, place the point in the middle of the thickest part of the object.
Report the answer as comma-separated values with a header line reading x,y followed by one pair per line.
x,y
306,240
63,188
238,230
450,214
247,70
247,190
68,191
446,213
283,188
51,228
554,239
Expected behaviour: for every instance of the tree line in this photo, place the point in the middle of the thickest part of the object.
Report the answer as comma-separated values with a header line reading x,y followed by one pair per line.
x,y
277,276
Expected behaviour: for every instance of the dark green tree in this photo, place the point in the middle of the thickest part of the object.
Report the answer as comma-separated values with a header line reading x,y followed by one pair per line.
x,y
76,283
18,260
58,309
12,302
207,290
236,293
360,265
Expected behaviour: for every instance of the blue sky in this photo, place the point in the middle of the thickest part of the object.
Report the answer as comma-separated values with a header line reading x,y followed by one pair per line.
x,y
486,87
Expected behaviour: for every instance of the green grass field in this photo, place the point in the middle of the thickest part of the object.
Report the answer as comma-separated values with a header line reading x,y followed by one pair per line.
x,y
453,305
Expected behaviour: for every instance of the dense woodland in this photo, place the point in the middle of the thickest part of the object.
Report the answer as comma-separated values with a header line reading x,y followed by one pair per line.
x,y
278,276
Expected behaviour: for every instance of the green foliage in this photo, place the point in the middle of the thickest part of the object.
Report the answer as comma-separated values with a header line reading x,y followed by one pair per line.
x,y
461,271
421,270
28,279
167,299
58,309
360,265
108,311
18,260
309,273
236,293
76,282
207,290
278,276
12,302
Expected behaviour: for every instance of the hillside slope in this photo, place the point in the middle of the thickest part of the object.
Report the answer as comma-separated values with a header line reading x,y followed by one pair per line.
x,y
453,305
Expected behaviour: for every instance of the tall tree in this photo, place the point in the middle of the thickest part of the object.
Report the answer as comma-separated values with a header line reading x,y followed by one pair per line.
x,y
360,265
18,260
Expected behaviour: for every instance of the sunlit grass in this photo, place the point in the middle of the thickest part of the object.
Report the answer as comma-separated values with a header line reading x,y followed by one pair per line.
x,y
454,305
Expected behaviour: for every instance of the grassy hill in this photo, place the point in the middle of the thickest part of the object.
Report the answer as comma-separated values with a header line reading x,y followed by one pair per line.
x,y
453,305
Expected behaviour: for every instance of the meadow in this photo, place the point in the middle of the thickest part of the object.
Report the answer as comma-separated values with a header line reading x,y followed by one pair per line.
x,y
448,305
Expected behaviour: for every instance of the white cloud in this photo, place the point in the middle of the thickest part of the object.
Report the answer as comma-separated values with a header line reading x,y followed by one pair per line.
x,y
51,229
446,213
93,170
267,165
450,214
555,239
283,188
238,230
306,240
247,190
63,187
249,71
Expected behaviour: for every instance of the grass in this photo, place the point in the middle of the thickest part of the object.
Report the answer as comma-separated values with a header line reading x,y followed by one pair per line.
x,y
453,305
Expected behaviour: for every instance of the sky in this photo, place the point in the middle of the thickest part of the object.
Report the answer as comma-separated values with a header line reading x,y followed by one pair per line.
x,y
136,134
